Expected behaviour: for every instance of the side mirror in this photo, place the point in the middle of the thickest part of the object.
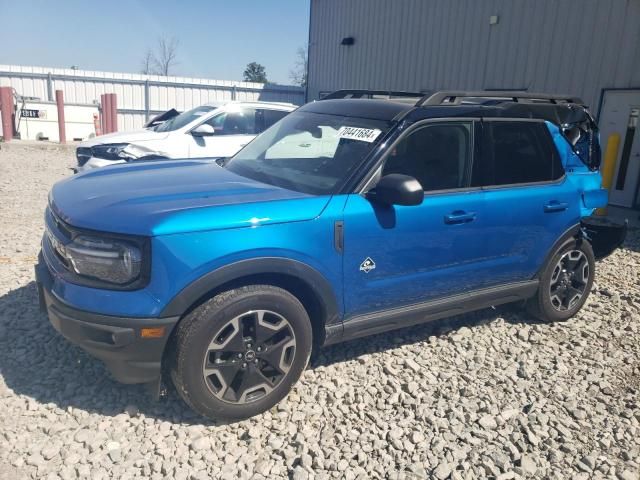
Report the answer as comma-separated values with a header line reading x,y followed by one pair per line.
x,y
203,130
397,189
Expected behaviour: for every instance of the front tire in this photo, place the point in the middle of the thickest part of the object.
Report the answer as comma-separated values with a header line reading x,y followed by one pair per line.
x,y
239,354
565,283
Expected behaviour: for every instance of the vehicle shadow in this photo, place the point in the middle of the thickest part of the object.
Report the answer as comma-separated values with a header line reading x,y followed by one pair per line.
x,y
37,362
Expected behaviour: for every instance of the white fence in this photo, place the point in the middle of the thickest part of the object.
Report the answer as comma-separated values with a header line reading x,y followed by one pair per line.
x,y
139,96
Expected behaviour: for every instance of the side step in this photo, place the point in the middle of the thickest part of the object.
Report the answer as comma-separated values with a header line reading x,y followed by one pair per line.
x,y
381,321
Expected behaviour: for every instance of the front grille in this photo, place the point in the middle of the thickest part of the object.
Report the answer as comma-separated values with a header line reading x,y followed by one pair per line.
x,y
83,154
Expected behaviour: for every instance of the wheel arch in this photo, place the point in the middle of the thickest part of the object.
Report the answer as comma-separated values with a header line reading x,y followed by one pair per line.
x,y
304,282
573,233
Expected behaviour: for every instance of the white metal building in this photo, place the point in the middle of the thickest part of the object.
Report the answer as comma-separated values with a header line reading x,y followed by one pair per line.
x,y
138,96
589,49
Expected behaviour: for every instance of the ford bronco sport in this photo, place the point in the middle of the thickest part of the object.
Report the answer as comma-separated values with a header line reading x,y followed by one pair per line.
x,y
351,216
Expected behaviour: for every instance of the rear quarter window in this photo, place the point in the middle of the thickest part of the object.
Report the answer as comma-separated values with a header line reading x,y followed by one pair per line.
x,y
514,152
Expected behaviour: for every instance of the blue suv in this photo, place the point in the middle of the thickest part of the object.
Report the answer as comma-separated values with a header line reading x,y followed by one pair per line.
x,y
357,214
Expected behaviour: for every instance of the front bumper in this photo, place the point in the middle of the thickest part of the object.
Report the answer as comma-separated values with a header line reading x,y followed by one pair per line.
x,y
94,163
117,341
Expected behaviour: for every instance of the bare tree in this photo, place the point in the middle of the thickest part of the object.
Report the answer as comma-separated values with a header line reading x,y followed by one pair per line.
x,y
166,55
298,74
163,59
147,63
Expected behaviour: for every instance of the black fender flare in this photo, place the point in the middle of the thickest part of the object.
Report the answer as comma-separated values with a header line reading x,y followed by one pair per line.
x,y
195,291
572,233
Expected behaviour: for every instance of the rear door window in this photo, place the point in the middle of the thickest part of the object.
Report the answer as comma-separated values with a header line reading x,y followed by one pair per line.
x,y
516,152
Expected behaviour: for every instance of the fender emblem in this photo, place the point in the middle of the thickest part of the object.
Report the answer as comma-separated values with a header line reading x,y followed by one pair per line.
x,y
367,265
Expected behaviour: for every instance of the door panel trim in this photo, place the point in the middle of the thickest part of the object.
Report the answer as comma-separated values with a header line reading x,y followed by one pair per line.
x,y
391,319
509,186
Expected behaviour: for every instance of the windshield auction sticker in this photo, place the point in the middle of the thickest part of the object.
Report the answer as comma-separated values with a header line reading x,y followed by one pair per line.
x,y
362,134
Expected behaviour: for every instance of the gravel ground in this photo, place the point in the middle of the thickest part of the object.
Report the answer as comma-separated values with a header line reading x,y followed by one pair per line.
x,y
493,394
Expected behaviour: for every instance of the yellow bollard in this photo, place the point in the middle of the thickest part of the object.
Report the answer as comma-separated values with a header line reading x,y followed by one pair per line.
x,y
609,166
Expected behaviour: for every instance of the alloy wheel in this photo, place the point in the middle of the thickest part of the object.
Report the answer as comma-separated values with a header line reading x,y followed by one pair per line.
x,y
569,280
249,356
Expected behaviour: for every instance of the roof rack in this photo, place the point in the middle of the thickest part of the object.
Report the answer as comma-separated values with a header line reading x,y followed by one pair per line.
x,y
356,93
453,97
457,97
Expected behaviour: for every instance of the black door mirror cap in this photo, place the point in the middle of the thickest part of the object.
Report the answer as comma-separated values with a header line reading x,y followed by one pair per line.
x,y
397,189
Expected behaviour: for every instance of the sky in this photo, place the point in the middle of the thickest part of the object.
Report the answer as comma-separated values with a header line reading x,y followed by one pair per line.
x,y
216,38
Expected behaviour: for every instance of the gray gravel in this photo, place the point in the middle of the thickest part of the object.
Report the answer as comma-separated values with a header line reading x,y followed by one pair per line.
x,y
488,395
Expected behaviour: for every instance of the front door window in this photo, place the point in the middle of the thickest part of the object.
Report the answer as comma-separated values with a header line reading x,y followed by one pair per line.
x,y
435,155
236,122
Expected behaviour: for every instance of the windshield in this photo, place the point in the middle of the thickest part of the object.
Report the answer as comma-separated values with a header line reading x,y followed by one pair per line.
x,y
309,152
183,119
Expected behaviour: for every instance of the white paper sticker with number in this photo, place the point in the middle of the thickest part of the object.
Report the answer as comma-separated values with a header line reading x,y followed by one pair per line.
x,y
362,134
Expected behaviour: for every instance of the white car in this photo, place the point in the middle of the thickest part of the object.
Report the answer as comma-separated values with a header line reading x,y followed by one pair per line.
x,y
213,130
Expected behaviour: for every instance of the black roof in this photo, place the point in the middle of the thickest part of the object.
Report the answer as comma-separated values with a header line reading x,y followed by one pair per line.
x,y
558,109
373,109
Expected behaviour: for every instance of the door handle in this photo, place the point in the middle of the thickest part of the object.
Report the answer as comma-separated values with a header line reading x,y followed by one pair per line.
x,y
459,216
555,206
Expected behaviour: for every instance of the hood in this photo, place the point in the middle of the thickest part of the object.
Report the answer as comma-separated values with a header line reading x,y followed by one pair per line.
x,y
135,136
162,198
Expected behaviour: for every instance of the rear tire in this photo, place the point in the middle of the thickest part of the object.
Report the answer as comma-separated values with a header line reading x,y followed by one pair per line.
x,y
239,354
565,283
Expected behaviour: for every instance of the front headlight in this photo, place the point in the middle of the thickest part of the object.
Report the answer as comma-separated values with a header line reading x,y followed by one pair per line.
x,y
109,260
108,151
112,261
